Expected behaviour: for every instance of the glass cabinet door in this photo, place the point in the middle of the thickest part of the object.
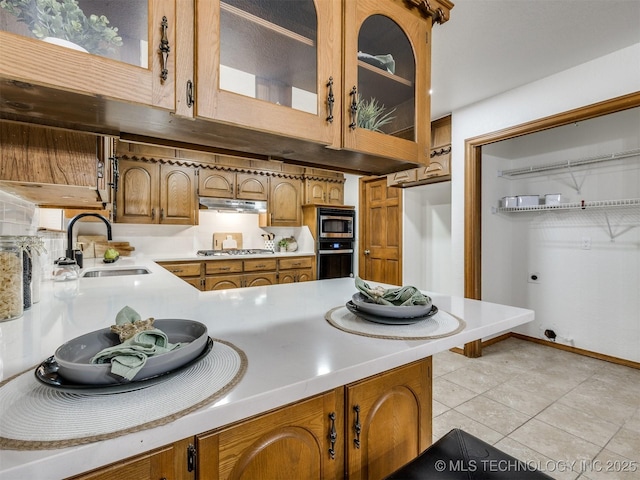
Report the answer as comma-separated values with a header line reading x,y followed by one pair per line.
x,y
121,49
386,80
272,63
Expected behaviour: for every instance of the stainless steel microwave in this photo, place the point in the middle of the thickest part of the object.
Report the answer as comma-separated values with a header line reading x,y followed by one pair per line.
x,y
335,223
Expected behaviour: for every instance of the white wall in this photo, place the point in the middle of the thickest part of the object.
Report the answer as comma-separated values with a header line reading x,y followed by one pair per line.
x,y
604,78
601,79
586,294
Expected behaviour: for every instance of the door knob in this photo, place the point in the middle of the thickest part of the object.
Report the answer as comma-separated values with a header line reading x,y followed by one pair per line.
x,y
367,252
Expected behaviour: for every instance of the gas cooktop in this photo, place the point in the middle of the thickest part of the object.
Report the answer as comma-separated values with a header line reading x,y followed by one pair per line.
x,y
235,251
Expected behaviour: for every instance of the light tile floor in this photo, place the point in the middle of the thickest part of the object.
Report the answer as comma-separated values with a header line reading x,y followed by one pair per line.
x,y
573,417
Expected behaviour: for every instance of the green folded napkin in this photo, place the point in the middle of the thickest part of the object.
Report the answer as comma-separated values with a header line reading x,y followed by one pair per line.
x,y
128,358
401,296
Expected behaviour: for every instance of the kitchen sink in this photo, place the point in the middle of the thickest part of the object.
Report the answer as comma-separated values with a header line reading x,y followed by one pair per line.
x,y
115,272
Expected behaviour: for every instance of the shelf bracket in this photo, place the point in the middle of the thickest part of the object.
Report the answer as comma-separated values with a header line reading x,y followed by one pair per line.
x,y
606,217
575,182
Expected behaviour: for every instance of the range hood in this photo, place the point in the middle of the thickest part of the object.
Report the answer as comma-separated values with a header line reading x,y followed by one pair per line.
x,y
230,205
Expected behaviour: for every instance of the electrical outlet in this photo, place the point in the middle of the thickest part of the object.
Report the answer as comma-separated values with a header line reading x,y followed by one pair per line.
x,y
534,277
586,243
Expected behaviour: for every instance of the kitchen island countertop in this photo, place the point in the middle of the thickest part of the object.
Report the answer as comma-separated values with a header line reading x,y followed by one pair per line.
x,y
293,352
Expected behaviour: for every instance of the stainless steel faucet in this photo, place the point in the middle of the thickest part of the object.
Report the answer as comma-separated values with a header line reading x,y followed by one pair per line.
x,y
69,252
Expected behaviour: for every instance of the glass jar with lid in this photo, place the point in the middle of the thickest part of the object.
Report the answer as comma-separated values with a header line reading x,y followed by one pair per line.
x,y
11,283
66,278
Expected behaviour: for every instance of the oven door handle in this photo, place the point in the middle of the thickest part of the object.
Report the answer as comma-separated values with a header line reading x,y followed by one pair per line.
x,y
328,252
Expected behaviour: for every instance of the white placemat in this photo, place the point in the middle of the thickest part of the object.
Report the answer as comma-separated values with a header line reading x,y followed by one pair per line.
x,y
442,324
35,416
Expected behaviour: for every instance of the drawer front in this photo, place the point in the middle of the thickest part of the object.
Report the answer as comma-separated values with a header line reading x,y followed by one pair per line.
x,y
191,269
260,265
296,262
223,266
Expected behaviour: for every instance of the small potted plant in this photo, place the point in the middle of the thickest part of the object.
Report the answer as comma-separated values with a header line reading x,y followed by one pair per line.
x,y
372,115
65,20
283,244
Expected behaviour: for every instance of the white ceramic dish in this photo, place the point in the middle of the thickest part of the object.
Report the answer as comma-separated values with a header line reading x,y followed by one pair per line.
x,y
73,357
390,311
389,320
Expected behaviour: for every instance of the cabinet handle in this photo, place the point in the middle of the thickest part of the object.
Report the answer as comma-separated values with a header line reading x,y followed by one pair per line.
x,y
330,100
357,427
191,458
354,108
333,435
177,271
260,266
224,269
161,213
153,214
190,100
164,50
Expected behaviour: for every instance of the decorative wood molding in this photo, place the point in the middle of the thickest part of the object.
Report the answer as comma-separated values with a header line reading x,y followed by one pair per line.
x,y
438,10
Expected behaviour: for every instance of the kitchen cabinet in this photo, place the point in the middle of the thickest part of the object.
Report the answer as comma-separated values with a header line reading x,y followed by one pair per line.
x,y
285,205
367,429
134,71
439,167
224,274
55,168
271,66
387,77
297,269
190,272
169,462
151,193
320,191
291,442
231,184
388,420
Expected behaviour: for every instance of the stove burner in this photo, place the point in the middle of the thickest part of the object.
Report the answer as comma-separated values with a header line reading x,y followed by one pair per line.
x,y
240,251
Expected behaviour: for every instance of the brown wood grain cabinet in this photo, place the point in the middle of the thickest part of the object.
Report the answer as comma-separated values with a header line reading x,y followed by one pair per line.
x,y
388,420
131,72
190,272
156,193
168,462
296,269
56,168
363,430
268,66
224,274
284,208
321,191
232,184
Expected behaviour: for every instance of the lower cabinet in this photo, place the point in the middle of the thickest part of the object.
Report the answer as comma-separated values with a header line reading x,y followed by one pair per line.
x,y
168,462
190,272
388,420
364,430
291,442
297,269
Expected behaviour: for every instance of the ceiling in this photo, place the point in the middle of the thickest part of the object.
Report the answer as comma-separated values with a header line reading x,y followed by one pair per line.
x,y
491,46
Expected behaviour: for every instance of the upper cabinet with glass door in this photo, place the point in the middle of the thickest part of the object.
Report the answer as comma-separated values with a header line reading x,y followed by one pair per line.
x,y
121,50
387,78
271,65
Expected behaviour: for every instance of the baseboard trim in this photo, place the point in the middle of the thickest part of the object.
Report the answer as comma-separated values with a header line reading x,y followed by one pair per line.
x,y
548,343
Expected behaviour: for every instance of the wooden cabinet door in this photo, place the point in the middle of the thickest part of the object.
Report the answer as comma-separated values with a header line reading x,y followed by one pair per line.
x,y
291,442
223,282
286,276
315,192
268,65
285,208
399,85
166,462
216,183
259,279
251,187
335,193
137,198
388,420
305,275
131,72
178,205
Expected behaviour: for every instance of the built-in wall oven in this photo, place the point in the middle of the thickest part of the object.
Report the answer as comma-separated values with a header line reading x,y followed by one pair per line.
x,y
335,242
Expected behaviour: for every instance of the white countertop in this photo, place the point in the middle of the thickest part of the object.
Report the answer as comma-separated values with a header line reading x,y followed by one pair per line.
x,y
292,351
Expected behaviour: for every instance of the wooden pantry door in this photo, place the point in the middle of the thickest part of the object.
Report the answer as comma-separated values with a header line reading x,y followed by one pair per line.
x,y
380,246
